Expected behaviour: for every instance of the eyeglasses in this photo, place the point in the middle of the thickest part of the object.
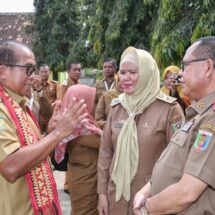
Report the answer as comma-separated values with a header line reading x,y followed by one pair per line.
x,y
183,64
30,69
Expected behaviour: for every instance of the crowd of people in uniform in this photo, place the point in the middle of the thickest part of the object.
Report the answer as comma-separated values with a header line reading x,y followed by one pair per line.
x,y
133,147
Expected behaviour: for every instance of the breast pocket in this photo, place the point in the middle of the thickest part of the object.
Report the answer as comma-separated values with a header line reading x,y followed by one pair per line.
x,y
179,138
175,149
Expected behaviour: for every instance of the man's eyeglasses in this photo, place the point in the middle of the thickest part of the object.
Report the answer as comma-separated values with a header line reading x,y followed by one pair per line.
x,y
183,64
30,69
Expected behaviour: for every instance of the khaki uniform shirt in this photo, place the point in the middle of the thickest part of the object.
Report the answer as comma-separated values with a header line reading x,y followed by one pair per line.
x,y
101,87
45,110
155,127
103,106
14,198
64,87
191,151
50,90
46,97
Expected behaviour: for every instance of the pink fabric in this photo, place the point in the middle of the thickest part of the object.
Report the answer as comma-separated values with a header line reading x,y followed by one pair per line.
x,y
79,92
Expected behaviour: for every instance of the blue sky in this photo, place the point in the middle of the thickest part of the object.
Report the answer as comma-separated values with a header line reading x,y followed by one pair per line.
x,y
16,6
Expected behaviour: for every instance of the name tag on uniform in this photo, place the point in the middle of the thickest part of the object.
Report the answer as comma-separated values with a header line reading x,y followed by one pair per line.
x,y
187,126
119,124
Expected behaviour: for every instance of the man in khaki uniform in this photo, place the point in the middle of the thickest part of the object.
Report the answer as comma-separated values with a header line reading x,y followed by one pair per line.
x,y
183,179
26,181
46,96
104,104
108,82
74,73
49,87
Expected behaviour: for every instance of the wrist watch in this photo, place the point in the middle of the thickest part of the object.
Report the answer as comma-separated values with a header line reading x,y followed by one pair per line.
x,y
143,211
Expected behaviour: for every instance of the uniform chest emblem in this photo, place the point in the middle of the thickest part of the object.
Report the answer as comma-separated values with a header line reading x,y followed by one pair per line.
x,y
202,140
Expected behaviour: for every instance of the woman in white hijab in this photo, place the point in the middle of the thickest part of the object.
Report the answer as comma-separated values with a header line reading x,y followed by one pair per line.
x,y
138,128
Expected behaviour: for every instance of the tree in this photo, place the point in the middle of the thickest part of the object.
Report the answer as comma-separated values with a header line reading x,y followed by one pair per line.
x,y
119,24
82,49
178,25
165,28
56,26
91,30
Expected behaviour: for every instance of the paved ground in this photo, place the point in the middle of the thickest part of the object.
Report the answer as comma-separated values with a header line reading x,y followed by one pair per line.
x,y
64,198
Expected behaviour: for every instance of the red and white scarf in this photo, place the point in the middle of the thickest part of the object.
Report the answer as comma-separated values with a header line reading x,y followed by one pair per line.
x,y
40,180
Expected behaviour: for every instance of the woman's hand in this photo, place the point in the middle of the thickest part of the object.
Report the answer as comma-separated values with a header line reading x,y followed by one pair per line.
x,y
94,129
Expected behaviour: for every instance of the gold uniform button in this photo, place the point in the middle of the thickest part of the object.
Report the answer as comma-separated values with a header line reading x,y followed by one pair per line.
x,y
201,106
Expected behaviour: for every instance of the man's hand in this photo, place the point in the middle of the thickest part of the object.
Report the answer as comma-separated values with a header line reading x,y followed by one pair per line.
x,y
65,122
103,205
55,116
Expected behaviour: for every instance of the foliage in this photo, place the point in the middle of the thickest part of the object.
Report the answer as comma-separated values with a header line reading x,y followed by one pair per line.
x,y
82,49
178,25
165,28
119,24
91,30
56,26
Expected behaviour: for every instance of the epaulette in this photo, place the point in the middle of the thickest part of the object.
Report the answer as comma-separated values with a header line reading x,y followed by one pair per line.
x,y
114,102
65,82
166,98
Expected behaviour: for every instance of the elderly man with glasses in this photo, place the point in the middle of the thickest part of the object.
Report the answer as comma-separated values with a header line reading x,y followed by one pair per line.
x,y
26,182
183,179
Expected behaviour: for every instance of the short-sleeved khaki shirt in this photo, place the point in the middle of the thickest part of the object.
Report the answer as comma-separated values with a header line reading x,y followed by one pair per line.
x,y
14,198
191,151
64,87
103,107
100,88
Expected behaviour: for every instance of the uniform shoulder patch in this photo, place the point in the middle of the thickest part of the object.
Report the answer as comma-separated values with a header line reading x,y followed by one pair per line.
x,y
166,98
202,140
114,102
